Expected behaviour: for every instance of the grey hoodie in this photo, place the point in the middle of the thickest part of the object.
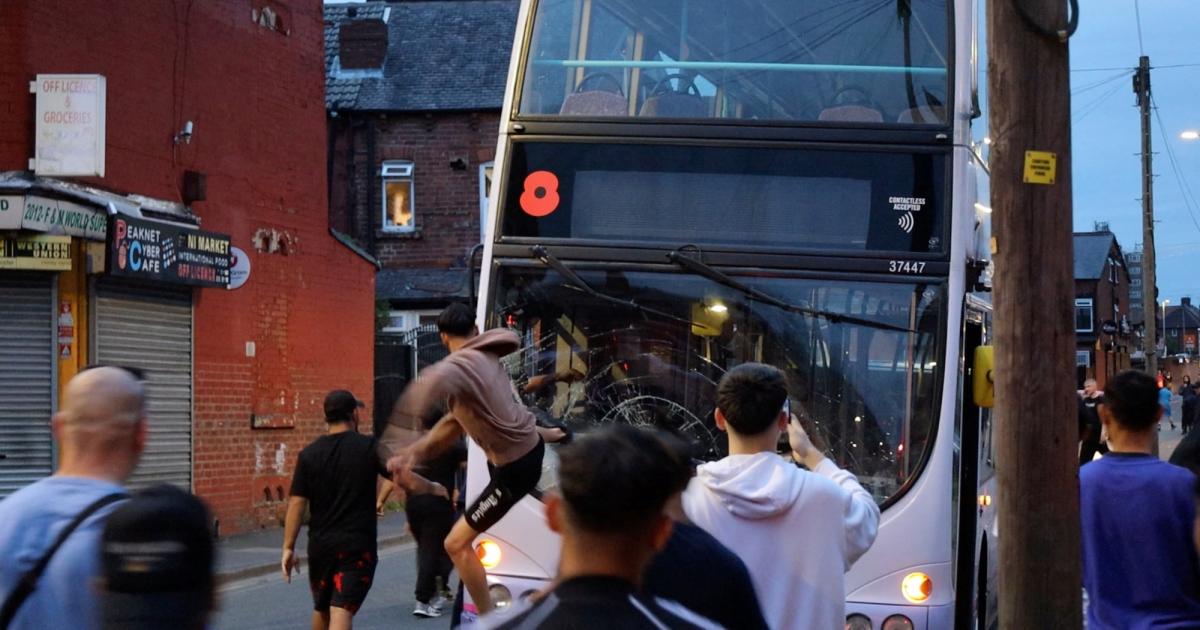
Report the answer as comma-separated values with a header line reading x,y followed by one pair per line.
x,y
797,531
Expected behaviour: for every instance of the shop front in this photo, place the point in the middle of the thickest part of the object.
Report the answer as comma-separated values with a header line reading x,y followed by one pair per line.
x,y
90,277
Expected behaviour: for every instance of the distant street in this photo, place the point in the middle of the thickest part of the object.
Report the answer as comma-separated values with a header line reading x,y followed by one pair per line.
x,y
270,603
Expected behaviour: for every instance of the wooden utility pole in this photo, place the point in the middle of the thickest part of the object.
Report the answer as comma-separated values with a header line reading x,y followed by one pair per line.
x,y
1037,461
1141,87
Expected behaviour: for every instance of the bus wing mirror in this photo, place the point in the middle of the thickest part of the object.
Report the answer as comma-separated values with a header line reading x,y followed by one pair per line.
x,y
983,386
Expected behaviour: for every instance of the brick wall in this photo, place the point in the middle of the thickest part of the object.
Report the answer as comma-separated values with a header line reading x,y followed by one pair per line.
x,y
446,201
256,96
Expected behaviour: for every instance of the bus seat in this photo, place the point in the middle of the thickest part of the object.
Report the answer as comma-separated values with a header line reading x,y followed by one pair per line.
x,y
594,103
675,105
923,115
851,113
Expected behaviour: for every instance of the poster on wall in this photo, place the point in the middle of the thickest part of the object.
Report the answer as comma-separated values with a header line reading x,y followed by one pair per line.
x,y
70,124
163,252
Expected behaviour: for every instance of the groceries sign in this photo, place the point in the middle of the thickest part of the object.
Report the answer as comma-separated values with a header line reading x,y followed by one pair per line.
x,y
167,253
69,131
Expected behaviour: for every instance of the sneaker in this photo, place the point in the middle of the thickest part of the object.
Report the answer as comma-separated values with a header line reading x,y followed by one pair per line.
x,y
426,610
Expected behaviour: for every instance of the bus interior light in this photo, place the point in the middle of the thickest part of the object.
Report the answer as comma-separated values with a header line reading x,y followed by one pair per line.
x,y
718,307
489,554
858,622
916,587
897,622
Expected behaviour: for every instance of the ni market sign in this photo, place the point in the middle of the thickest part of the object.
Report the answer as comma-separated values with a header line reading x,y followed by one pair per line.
x,y
167,253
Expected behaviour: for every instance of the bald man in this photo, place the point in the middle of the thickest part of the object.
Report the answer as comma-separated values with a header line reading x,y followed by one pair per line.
x,y
100,432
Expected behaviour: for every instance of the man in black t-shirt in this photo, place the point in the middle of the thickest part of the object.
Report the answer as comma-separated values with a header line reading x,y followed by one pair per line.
x,y
335,479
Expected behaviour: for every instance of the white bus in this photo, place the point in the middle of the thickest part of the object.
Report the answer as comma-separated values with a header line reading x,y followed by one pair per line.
x,y
685,185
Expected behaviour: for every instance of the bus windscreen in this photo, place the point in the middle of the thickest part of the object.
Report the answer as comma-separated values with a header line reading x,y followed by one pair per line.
x,y
734,197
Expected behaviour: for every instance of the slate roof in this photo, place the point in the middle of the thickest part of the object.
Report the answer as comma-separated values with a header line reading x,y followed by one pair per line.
x,y
1185,316
443,55
1091,252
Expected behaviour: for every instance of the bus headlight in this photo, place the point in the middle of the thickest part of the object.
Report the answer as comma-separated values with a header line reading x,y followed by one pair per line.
x,y
897,622
501,596
858,622
916,587
489,554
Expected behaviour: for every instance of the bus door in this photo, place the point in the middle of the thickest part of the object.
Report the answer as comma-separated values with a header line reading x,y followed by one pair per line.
x,y
975,573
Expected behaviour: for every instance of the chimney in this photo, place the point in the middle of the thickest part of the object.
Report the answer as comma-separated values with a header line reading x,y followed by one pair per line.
x,y
1185,302
362,44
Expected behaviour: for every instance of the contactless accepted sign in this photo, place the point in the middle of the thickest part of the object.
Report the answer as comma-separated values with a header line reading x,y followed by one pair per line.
x,y
69,131
167,253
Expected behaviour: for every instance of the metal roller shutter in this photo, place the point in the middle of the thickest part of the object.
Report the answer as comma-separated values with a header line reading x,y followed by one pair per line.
x,y
151,329
26,378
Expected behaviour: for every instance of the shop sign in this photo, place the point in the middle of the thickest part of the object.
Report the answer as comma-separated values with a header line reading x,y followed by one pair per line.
x,y
63,217
69,129
240,271
150,250
11,209
41,253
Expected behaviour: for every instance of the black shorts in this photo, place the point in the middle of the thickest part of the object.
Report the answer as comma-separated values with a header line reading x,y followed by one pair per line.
x,y
340,578
509,483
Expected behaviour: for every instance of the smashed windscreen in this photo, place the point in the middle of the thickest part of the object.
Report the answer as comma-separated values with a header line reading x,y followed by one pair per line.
x,y
867,389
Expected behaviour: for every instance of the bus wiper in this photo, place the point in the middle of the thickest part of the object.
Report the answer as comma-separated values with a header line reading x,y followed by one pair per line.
x,y
575,281
705,271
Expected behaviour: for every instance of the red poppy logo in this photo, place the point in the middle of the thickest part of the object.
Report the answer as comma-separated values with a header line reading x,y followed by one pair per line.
x,y
540,197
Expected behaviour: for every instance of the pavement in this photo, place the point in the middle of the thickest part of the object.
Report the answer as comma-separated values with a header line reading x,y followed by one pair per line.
x,y
257,553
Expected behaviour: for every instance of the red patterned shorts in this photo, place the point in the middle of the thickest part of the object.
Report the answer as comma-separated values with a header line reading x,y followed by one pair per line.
x,y
340,578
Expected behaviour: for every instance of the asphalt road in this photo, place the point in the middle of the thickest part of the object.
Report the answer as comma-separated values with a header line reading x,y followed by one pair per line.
x,y
270,603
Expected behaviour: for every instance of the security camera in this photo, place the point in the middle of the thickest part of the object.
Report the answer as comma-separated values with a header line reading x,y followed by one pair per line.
x,y
185,135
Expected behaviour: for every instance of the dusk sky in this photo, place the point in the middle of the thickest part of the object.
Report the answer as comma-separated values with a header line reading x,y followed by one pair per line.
x,y
1107,137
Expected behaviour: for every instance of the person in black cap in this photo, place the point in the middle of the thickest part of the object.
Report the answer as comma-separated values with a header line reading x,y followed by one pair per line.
x,y
156,555
335,479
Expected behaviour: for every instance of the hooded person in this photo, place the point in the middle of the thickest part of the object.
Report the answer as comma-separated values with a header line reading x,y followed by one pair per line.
x,y
484,407
797,531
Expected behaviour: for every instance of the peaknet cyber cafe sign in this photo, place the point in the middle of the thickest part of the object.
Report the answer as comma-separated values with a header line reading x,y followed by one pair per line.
x,y
163,252
70,125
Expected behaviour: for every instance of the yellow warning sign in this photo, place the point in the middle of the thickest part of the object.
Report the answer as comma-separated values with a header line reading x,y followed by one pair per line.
x,y
1040,167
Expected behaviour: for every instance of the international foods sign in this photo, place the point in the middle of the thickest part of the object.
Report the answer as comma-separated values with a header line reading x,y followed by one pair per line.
x,y
150,250
69,130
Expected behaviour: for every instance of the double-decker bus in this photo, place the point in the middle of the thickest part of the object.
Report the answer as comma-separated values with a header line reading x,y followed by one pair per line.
x,y
685,185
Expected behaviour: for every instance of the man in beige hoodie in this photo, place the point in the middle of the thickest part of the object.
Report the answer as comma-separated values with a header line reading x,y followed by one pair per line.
x,y
483,405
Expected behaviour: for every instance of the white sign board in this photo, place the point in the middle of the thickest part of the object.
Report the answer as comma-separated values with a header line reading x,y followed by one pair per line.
x,y
63,217
239,272
69,132
11,209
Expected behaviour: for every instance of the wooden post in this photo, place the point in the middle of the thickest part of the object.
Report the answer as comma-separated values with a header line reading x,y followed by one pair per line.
x,y
1037,461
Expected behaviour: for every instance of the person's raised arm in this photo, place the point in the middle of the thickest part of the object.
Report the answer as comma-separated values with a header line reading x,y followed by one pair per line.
x,y
861,514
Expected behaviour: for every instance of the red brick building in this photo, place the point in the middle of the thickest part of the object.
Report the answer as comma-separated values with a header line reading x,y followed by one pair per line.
x,y
1104,336
214,122
414,91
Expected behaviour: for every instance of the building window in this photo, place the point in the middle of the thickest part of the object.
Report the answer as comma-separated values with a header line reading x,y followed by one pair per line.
x,y
1083,358
404,321
485,188
1083,315
1112,270
398,213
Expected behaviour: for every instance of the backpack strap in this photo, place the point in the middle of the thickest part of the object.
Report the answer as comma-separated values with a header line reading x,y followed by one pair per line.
x,y
28,582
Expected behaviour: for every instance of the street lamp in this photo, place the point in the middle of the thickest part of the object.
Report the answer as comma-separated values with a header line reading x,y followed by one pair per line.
x,y
1190,134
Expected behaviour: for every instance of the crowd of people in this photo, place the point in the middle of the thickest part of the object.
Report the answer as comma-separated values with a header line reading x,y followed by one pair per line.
x,y
650,538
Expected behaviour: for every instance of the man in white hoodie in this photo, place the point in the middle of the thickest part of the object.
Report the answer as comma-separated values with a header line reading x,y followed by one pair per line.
x,y
797,531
